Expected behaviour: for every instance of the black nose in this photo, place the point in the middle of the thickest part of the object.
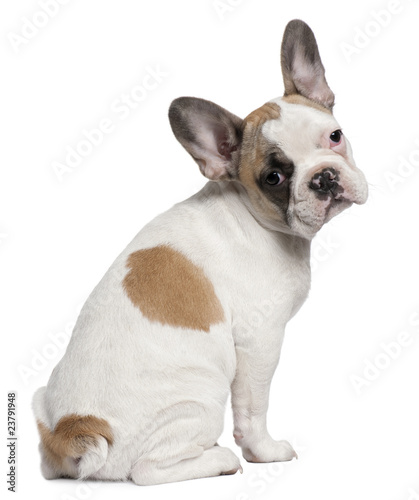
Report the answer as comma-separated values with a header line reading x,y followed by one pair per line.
x,y
325,181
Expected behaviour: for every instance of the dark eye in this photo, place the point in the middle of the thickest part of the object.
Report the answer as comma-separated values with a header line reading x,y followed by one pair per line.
x,y
274,178
336,136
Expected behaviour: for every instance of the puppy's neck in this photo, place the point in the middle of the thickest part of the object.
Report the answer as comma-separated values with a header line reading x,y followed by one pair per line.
x,y
230,204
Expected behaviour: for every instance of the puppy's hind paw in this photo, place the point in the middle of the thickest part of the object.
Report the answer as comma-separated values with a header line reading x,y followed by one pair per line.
x,y
232,471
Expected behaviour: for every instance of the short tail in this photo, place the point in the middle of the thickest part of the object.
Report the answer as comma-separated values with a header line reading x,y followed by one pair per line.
x,y
81,440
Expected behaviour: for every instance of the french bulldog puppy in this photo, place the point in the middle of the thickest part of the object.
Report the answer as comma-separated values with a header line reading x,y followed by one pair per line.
x,y
175,323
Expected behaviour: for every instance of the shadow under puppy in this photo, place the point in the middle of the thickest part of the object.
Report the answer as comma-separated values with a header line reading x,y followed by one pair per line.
x,y
169,331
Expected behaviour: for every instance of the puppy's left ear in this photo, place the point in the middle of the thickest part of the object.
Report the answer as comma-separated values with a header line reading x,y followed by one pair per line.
x,y
302,68
211,135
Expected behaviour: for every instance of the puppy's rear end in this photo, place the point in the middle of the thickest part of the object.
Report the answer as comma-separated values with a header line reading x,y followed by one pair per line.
x,y
77,447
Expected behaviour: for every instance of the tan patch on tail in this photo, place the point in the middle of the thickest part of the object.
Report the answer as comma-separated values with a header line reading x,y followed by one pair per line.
x,y
72,436
299,99
168,288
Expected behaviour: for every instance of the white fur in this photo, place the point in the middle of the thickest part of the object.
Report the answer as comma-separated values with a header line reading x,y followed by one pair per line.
x,y
303,135
94,459
163,389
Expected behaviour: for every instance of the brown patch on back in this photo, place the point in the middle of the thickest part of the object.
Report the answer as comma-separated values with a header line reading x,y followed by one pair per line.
x,y
300,99
168,288
72,437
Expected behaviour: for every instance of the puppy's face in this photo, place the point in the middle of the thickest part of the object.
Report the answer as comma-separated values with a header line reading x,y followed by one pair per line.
x,y
290,155
297,166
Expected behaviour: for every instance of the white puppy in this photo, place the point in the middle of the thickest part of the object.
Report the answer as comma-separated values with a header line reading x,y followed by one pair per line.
x,y
171,328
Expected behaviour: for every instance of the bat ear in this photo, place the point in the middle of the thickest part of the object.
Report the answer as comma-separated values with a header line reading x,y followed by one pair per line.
x,y
209,133
302,68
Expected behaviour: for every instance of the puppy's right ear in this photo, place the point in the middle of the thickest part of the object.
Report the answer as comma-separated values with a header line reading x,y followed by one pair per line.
x,y
209,133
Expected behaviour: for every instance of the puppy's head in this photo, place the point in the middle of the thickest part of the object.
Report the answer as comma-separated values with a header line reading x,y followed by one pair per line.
x,y
289,155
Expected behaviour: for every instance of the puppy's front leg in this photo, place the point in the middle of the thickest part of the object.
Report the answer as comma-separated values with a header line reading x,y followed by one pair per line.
x,y
256,364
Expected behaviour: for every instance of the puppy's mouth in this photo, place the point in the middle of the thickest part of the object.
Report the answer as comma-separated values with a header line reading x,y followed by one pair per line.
x,y
314,213
326,193
324,214
335,206
333,194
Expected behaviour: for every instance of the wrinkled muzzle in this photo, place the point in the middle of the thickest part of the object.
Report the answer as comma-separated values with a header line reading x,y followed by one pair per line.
x,y
325,191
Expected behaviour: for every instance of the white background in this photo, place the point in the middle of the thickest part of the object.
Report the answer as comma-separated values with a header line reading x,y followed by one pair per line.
x,y
58,238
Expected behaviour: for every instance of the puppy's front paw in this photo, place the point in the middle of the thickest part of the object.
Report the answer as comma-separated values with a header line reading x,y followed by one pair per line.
x,y
272,451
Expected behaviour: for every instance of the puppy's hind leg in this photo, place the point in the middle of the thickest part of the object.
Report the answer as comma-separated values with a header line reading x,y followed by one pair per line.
x,y
181,446
215,461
